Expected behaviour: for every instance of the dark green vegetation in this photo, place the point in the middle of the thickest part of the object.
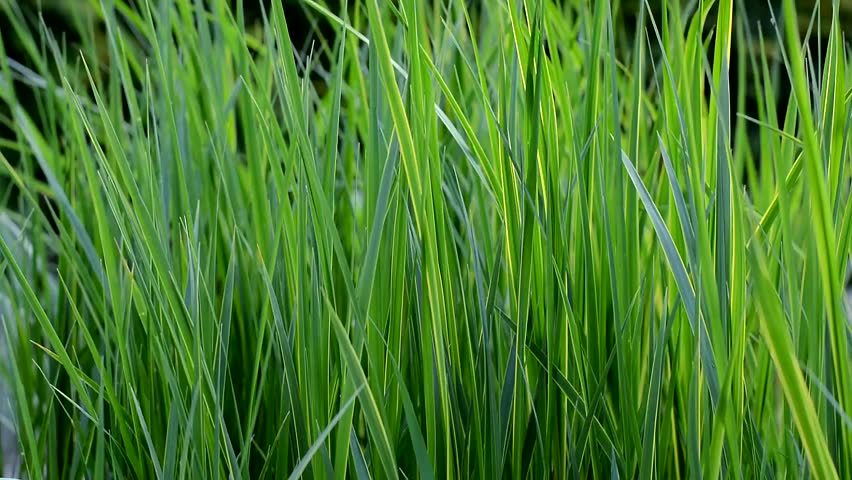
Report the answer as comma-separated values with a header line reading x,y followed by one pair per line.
x,y
443,242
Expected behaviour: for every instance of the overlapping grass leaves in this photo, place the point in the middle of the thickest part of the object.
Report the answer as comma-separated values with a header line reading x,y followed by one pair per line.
x,y
450,242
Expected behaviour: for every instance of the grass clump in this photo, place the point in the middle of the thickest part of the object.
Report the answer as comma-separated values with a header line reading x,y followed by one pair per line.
x,y
441,244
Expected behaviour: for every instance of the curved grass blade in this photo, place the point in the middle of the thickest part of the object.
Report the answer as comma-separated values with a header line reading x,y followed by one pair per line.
x,y
309,454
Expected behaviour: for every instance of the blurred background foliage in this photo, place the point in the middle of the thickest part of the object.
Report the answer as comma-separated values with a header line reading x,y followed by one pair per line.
x,y
313,34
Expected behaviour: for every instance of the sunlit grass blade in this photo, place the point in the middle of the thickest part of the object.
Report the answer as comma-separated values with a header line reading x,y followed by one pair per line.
x,y
774,329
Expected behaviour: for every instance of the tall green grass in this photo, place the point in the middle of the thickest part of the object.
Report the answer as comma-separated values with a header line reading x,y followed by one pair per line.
x,y
491,244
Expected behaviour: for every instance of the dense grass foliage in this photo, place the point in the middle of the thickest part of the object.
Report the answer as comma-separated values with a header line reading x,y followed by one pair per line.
x,y
493,244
